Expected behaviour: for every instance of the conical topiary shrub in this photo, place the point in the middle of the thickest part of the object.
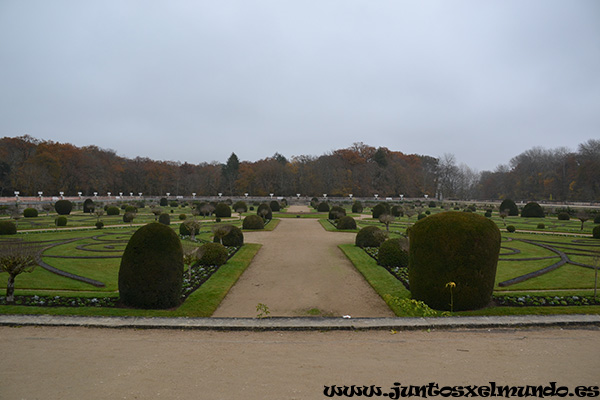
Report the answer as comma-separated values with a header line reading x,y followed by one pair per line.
x,y
151,272
452,260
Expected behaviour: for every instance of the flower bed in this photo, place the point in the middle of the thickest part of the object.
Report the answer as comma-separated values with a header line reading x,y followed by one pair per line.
x,y
191,282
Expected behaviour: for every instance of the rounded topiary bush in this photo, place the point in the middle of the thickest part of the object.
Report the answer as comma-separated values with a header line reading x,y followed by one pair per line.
x,y
264,211
164,219
61,221
128,217
597,219
393,253
7,228
397,211
510,207
453,247
113,210
323,207
346,222
240,206
163,202
370,236
222,210
151,271
30,213
63,207
432,204
253,222
532,210
596,232
88,206
130,209
563,216
357,207
234,236
511,228
99,225
336,212
275,206
212,254
379,209
182,217
541,225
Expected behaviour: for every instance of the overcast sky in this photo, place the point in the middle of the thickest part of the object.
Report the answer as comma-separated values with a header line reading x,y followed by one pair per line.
x,y
196,80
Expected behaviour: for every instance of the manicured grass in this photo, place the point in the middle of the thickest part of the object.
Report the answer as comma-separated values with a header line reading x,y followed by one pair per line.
x,y
380,279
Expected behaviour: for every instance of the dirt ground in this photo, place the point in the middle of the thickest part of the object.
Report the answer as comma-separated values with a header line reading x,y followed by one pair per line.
x,y
300,271
80,363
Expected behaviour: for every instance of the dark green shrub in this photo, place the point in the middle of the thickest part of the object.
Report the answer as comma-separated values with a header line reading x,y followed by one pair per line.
x,y
421,216
88,206
30,213
164,219
532,210
112,210
124,206
222,210
253,222
337,212
151,271
541,225
461,248
597,219
7,228
174,204
488,214
274,204
212,254
182,217
563,216
510,207
379,209
357,207
163,202
130,209
183,230
240,205
393,253
61,221
370,236
397,211
432,204
264,211
323,207
234,236
99,225
63,207
427,212
596,232
472,208
346,222
128,217
511,228
141,204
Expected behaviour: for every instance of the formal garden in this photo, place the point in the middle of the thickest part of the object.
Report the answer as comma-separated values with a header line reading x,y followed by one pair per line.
x,y
75,256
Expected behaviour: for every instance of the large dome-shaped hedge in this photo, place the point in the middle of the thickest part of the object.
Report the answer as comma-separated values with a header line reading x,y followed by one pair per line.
x,y
510,207
453,247
532,210
151,272
370,236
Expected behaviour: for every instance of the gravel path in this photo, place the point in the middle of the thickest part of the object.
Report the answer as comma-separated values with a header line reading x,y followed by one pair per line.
x,y
300,271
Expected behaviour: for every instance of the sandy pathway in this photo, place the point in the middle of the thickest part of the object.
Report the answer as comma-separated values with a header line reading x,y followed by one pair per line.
x,y
300,268
79,363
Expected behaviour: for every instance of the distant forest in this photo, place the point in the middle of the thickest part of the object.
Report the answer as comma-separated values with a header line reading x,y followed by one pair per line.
x,y
30,165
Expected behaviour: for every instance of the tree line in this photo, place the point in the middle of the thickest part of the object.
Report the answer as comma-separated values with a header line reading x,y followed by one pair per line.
x,y
29,165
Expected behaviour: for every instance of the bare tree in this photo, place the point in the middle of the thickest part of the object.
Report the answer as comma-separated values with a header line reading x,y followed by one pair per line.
x,y
583,216
219,231
16,258
193,227
503,214
240,211
47,207
98,211
190,257
386,219
156,211
207,209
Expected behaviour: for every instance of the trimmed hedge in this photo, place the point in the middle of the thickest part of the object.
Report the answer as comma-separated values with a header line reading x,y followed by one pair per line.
x,y
266,210
88,206
379,209
453,247
30,213
370,236
212,254
151,271
222,210
63,207
7,228
532,210
164,219
346,222
240,205
234,237
357,207
596,232
275,206
337,212
511,228
253,222
61,221
323,207
563,216
510,206
113,210
393,253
